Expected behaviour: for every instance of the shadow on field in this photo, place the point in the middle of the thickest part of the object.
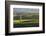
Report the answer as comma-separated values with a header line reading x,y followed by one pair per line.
x,y
26,25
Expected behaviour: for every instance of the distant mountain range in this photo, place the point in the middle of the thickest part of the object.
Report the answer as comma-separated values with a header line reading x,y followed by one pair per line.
x,y
23,13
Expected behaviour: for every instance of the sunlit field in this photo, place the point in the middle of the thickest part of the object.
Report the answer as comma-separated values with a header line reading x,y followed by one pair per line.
x,y
26,20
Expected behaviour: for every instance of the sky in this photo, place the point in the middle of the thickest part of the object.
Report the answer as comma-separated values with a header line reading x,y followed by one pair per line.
x,y
26,10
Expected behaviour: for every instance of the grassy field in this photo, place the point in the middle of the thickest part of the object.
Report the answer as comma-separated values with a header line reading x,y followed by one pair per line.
x,y
28,20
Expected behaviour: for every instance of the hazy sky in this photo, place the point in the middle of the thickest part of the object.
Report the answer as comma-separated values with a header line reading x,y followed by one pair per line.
x,y
26,10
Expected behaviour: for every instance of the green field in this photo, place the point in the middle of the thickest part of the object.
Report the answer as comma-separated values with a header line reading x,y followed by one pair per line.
x,y
26,20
